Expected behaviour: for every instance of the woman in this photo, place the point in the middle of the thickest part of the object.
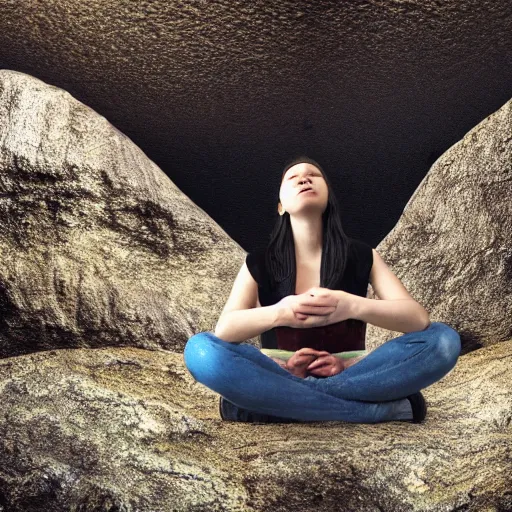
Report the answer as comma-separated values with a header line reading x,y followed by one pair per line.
x,y
305,293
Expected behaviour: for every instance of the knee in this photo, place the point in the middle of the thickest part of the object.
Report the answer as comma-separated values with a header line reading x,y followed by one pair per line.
x,y
447,342
200,355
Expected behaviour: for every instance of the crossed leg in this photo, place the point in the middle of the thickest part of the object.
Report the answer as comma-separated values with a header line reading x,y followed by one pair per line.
x,y
401,366
373,390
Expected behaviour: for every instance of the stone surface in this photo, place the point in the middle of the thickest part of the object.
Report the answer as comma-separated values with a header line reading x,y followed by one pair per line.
x,y
130,429
452,247
98,246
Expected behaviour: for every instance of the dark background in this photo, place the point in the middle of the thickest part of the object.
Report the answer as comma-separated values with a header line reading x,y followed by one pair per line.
x,y
221,93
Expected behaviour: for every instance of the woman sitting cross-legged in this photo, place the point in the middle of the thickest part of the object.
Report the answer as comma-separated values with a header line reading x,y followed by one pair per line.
x,y
305,293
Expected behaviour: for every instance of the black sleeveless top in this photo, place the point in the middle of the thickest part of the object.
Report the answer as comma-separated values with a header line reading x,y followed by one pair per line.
x,y
339,337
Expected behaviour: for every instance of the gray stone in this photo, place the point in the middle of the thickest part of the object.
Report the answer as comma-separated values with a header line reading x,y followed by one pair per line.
x,y
452,247
99,247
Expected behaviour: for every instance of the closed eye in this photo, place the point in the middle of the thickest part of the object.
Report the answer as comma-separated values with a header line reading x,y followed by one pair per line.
x,y
312,174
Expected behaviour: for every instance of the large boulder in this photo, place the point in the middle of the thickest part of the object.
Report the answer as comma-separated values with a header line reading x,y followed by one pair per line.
x,y
452,246
98,246
129,429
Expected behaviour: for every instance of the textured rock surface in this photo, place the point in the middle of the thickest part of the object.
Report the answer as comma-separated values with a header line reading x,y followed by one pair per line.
x,y
130,428
98,247
452,247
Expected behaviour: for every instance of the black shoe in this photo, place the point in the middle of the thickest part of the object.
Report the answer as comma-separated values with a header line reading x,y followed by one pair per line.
x,y
228,411
419,407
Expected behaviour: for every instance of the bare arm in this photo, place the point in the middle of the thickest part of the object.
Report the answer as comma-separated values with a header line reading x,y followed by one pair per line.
x,y
402,315
396,310
243,324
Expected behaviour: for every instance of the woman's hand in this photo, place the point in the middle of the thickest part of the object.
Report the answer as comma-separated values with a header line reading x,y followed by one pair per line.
x,y
326,365
299,361
304,310
315,307
343,302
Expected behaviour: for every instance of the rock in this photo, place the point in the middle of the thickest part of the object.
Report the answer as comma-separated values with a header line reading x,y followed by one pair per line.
x,y
130,429
223,92
99,247
452,246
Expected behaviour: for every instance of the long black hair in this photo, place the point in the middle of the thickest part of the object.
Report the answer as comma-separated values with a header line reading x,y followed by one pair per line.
x,y
280,251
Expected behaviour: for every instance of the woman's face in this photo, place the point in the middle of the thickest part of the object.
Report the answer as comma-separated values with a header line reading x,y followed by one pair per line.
x,y
298,177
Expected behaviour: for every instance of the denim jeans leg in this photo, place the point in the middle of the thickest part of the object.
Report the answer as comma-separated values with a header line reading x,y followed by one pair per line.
x,y
250,379
398,367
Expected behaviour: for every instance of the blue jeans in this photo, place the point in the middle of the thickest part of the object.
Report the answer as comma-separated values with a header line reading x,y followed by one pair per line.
x,y
371,391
